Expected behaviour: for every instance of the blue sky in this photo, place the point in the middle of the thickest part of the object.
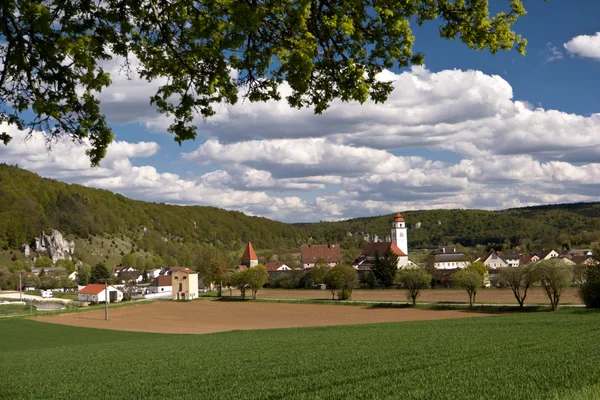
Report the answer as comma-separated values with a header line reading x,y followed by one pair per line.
x,y
468,130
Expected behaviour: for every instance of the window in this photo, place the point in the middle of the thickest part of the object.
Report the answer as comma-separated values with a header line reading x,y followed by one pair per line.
x,y
181,287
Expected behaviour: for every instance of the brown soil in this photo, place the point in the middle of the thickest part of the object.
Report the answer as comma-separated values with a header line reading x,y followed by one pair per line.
x,y
215,316
484,296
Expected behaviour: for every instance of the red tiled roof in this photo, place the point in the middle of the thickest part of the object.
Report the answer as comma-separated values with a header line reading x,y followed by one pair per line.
x,y
162,280
381,248
93,288
241,267
274,266
398,218
329,252
249,253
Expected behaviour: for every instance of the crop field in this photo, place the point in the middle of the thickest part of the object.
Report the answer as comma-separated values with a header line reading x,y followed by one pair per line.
x,y
487,296
519,356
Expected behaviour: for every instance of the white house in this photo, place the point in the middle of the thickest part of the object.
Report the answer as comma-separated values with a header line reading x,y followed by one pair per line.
x,y
184,284
96,293
276,266
547,254
154,273
161,284
493,260
448,257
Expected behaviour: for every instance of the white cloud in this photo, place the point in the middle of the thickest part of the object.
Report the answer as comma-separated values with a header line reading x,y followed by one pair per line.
x,y
552,53
584,46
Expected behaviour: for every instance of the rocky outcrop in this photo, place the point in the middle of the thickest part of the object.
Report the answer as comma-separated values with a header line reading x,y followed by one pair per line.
x,y
26,250
54,246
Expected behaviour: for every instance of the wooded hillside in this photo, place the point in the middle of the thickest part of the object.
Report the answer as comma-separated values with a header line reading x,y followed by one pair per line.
x,y
29,203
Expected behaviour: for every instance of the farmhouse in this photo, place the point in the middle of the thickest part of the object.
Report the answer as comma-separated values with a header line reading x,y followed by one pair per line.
x,y
184,285
161,284
96,293
310,254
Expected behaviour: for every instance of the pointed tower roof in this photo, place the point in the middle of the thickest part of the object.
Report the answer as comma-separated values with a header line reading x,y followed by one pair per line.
x,y
398,218
249,253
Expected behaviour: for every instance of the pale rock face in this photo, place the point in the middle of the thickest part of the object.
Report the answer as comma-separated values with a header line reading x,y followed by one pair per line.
x,y
54,245
26,250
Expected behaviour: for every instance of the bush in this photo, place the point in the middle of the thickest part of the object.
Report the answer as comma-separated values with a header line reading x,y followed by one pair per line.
x,y
589,292
344,294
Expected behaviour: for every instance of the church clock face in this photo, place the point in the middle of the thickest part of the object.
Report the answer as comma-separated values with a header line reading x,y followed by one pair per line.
x,y
401,234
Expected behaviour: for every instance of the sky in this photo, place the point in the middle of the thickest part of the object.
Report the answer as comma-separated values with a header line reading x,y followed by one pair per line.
x,y
467,130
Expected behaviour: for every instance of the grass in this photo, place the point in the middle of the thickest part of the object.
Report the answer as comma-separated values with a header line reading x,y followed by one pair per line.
x,y
518,356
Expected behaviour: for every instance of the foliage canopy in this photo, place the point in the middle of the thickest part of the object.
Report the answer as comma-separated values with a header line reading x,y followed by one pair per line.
x,y
215,51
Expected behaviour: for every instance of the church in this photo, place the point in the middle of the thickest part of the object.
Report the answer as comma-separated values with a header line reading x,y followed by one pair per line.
x,y
398,245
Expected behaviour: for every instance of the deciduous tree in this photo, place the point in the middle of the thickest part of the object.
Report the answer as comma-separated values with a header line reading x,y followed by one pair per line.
x,y
341,279
413,280
240,280
43,262
519,280
589,292
210,52
469,280
555,277
257,277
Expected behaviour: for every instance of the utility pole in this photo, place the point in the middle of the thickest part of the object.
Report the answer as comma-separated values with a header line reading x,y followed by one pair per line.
x,y
106,297
20,288
106,300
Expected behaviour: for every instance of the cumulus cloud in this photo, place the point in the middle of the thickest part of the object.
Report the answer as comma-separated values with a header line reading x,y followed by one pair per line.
x,y
268,159
584,46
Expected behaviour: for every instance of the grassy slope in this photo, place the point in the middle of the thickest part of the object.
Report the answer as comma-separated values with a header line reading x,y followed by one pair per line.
x,y
527,356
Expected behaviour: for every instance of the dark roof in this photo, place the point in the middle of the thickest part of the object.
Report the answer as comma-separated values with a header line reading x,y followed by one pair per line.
x,y
381,248
544,253
450,257
328,252
448,250
249,253
581,259
162,280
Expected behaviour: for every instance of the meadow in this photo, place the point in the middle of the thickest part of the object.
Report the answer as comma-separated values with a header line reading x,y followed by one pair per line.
x,y
519,356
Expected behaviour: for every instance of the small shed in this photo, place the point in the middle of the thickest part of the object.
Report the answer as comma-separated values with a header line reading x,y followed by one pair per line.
x,y
95,293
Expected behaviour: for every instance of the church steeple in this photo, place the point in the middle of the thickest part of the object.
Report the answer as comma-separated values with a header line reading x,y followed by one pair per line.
x,y
399,233
249,257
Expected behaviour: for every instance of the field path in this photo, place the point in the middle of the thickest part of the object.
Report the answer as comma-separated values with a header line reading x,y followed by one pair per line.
x,y
217,316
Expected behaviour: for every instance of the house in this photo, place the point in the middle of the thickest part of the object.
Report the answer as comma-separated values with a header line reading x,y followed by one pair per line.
x,y
161,284
367,259
154,273
276,266
449,257
119,269
581,259
511,258
546,254
492,260
586,252
184,285
249,258
528,258
310,254
96,293
51,270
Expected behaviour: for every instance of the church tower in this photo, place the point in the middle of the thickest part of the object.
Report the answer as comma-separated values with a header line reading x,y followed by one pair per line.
x,y
399,233
249,258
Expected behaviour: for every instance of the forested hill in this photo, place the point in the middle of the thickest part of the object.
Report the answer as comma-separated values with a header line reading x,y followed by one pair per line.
x,y
29,203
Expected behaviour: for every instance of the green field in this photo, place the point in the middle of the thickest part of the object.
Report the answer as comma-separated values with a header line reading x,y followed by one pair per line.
x,y
521,356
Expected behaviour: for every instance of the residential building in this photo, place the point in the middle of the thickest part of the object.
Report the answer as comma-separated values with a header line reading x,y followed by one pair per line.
x,y
493,260
51,270
184,285
96,293
161,284
310,254
511,258
449,257
547,254
276,266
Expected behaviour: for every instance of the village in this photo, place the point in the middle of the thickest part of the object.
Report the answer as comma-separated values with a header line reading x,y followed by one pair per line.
x,y
183,283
